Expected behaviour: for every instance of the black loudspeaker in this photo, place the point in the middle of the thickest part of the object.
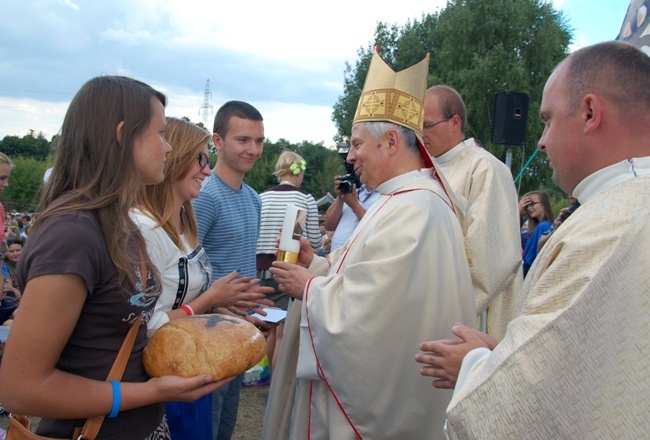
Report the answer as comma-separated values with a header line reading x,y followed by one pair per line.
x,y
510,117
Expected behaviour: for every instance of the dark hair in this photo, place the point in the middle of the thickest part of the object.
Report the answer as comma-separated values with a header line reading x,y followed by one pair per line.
x,y
93,170
15,240
615,70
239,109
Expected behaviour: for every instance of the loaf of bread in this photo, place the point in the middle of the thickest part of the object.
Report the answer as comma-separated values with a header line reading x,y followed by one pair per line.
x,y
219,345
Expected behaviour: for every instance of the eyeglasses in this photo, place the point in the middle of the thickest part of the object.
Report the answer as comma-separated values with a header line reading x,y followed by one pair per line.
x,y
433,124
203,160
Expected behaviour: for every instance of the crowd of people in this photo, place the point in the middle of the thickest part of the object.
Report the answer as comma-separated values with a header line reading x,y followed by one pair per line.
x,y
531,325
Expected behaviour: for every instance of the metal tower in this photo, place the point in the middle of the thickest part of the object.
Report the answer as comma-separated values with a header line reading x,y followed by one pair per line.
x,y
207,97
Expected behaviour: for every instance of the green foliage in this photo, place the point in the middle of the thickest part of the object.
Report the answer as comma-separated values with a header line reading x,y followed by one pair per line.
x,y
322,165
479,47
30,145
25,183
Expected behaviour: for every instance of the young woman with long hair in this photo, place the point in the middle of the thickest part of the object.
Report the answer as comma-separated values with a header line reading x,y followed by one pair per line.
x,y
86,276
536,205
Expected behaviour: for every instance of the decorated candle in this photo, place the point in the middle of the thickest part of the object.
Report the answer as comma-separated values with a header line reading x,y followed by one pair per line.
x,y
292,228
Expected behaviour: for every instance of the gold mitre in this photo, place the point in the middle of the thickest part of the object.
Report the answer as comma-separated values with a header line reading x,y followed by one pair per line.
x,y
396,97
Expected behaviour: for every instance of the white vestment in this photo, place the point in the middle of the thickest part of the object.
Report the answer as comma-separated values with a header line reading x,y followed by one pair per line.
x,y
575,362
402,278
491,228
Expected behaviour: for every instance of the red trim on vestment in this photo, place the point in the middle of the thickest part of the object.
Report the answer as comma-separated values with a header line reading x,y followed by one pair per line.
x,y
321,372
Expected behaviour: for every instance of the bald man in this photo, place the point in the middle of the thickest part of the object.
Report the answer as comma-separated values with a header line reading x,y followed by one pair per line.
x,y
574,362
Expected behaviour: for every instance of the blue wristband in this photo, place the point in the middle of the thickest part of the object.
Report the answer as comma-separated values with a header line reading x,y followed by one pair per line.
x,y
117,399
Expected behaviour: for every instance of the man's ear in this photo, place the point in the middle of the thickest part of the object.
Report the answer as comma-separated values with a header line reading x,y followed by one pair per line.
x,y
216,140
591,112
119,132
392,138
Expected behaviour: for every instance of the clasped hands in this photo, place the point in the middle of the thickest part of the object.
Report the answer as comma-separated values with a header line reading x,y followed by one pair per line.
x,y
444,357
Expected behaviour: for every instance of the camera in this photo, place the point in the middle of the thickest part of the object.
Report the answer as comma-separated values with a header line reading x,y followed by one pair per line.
x,y
350,179
347,182
568,212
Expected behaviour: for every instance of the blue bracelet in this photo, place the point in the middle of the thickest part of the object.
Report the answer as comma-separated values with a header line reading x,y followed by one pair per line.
x,y
117,398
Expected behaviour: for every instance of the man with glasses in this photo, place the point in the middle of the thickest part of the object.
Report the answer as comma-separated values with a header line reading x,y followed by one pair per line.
x,y
491,223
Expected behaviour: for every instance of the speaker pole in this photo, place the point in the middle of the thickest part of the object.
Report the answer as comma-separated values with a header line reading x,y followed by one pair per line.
x,y
509,157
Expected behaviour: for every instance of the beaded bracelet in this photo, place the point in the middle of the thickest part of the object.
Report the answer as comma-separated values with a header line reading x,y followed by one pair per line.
x,y
187,309
117,399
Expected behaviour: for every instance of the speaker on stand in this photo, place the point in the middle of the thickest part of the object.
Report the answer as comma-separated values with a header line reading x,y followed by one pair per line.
x,y
509,120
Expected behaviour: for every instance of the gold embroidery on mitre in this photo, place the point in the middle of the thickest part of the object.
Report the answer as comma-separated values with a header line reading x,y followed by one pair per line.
x,y
391,96
373,103
410,111
391,105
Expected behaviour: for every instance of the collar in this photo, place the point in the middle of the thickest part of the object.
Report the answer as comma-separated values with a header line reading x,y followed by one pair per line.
x,y
607,177
445,158
399,182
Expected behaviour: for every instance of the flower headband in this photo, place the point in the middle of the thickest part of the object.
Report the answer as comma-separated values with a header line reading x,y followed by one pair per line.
x,y
296,168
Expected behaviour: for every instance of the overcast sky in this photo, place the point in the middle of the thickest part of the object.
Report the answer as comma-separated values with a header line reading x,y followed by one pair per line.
x,y
286,57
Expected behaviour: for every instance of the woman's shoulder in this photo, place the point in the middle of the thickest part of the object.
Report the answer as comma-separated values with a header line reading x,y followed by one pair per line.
x,y
68,223
143,218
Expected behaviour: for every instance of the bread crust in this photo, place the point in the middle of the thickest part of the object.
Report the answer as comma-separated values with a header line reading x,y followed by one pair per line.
x,y
219,345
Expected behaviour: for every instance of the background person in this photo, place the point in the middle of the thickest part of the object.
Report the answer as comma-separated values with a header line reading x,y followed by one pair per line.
x,y
344,214
491,220
561,217
539,215
82,278
290,171
5,171
14,249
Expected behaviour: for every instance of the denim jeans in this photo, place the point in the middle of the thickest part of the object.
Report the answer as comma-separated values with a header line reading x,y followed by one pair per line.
x,y
225,403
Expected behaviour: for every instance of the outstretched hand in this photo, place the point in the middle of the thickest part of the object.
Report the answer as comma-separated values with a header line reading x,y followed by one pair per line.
x,y
181,389
443,358
244,292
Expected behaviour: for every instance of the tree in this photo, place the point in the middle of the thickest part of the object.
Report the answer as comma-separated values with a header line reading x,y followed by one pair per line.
x,y
479,47
30,145
25,183
322,165
496,45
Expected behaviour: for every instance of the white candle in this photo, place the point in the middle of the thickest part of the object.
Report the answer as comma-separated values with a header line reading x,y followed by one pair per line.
x,y
294,223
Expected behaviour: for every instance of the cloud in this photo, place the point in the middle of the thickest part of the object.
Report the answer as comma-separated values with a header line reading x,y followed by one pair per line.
x,y
126,37
68,3
45,117
578,42
286,57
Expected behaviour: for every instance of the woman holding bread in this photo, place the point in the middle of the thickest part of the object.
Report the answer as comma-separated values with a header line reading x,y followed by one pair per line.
x,y
87,279
166,219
